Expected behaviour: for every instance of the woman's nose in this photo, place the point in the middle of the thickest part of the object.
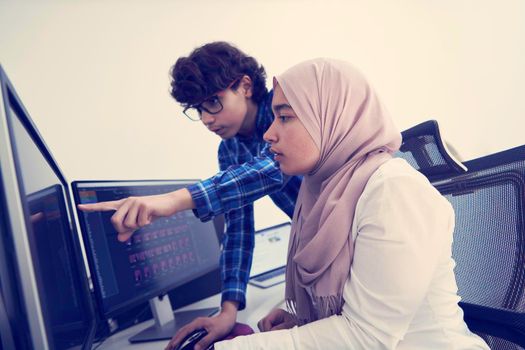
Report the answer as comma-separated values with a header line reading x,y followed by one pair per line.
x,y
270,136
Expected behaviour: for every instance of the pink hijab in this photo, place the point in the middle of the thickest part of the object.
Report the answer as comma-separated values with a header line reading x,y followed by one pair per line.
x,y
355,135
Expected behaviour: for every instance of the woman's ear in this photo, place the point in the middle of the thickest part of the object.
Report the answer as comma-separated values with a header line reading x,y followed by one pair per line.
x,y
246,86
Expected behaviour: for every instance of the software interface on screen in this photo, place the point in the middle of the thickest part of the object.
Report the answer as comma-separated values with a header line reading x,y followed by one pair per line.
x,y
158,257
56,266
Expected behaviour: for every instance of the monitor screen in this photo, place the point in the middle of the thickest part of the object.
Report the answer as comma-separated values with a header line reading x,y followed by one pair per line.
x,y
157,258
52,276
48,215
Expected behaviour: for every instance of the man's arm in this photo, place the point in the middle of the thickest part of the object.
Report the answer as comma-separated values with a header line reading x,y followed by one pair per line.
x,y
232,188
237,186
236,255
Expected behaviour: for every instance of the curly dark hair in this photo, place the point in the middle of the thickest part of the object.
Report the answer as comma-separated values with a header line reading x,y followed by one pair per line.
x,y
211,68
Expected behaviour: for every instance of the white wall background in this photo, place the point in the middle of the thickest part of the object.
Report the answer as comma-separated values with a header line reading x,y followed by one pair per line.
x,y
94,74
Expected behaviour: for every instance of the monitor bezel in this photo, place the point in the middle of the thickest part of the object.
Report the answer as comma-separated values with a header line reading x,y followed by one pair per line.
x,y
274,227
113,311
10,169
265,230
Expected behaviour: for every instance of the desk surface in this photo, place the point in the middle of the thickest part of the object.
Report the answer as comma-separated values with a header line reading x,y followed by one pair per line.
x,y
259,302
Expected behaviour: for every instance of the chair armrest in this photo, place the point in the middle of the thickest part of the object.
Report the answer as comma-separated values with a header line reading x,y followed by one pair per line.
x,y
505,324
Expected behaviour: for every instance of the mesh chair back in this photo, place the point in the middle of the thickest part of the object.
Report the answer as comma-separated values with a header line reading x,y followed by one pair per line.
x,y
489,245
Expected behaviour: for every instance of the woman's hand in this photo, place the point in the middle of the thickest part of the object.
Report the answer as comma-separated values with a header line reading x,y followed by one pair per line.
x,y
217,327
276,319
133,213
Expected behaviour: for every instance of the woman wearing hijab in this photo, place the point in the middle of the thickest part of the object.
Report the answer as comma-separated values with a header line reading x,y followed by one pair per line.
x,y
369,258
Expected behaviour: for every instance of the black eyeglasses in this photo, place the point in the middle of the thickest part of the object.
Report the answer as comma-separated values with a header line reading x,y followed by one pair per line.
x,y
211,105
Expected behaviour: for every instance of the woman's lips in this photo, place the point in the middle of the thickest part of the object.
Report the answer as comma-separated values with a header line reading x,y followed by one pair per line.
x,y
278,155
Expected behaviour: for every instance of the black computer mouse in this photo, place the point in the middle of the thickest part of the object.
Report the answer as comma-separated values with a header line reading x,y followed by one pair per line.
x,y
192,339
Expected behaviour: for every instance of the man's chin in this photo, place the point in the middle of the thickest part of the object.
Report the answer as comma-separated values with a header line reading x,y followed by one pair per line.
x,y
226,135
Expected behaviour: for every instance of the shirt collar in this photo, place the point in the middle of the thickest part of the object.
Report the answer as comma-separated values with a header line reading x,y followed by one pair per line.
x,y
263,119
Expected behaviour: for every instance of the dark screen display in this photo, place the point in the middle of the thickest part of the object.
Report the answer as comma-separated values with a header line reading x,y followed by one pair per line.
x,y
158,257
48,218
61,290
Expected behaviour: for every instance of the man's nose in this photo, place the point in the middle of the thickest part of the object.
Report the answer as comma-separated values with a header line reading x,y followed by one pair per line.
x,y
207,118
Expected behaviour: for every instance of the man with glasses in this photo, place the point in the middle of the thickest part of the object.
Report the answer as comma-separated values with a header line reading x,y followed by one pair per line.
x,y
225,89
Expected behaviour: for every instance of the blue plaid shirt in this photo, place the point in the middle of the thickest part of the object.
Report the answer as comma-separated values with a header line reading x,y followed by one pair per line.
x,y
247,173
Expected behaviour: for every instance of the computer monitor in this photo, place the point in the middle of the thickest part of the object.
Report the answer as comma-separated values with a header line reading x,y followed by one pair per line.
x,y
157,258
43,280
10,295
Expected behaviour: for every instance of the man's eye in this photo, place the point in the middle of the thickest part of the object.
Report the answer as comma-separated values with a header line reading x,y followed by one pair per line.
x,y
212,103
283,118
213,100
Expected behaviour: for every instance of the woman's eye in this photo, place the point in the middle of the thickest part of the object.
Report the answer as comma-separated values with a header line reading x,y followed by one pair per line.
x,y
283,118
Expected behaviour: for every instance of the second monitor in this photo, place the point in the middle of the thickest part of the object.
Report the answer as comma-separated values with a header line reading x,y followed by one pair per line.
x,y
157,258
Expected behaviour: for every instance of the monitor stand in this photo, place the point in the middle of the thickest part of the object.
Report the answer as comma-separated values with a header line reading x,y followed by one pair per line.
x,y
168,323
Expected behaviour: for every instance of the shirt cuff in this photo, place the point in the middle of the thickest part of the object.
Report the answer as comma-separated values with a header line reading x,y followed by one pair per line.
x,y
206,199
234,295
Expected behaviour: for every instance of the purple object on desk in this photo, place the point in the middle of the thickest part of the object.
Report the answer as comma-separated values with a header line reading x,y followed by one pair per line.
x,y
239,329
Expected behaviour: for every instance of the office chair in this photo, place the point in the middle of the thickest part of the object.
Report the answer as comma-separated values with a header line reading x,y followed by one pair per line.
x,y
424,149
489,245
488,196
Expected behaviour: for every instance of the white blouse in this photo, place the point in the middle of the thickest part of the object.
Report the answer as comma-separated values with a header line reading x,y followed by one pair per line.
x,y
401,292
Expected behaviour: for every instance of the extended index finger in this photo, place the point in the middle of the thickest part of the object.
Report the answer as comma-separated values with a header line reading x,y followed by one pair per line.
x,y
100,206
